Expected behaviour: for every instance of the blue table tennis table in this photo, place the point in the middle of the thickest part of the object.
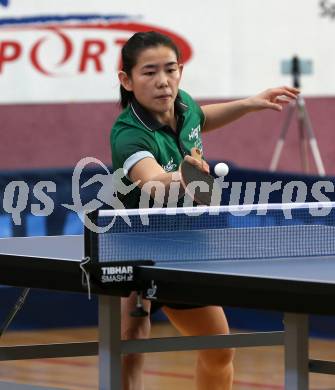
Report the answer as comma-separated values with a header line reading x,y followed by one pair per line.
x,y
276,257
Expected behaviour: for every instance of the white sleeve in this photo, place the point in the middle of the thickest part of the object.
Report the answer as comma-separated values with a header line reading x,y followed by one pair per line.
x,y
134,159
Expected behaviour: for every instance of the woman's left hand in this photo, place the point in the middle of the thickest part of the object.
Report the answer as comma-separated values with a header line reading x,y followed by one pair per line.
x,y
273,98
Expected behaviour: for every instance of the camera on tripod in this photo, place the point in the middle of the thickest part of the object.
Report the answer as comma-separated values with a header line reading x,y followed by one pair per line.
x,y
296,67
308,143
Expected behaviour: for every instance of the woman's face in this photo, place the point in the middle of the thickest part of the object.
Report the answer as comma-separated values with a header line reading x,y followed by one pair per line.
x,y
154,79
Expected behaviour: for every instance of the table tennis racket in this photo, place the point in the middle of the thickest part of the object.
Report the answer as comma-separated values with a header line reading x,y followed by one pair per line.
x,y
190,173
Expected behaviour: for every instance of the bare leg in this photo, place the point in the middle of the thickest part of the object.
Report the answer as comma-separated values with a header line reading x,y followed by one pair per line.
x,y
214,369
133,328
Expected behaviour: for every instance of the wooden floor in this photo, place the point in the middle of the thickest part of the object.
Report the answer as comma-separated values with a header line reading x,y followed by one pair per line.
x,y
256,368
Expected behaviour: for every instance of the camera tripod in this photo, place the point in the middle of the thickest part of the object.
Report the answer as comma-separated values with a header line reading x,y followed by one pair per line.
x,y
306,133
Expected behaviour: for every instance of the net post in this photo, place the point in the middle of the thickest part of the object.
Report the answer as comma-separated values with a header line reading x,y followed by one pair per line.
x,y
110,358
296,351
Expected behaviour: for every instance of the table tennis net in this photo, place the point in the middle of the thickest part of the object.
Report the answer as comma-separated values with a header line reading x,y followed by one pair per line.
x,y
217,233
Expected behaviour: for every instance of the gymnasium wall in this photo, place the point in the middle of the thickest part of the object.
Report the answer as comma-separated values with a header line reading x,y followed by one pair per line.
x,y
59,135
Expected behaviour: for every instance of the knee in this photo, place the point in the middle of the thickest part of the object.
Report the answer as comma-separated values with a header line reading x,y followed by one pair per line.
x,y
136,331
133,361
216,360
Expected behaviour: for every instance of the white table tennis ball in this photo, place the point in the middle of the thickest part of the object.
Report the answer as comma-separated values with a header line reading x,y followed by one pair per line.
x,y
221,169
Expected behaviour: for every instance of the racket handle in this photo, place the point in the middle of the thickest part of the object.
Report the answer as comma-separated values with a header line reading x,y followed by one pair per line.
x,y
196,153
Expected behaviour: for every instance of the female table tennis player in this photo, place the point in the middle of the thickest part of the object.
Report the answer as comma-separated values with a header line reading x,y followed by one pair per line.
x,y
157,129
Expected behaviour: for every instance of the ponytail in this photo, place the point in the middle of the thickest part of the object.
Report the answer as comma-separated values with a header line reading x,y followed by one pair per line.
x,y
125,97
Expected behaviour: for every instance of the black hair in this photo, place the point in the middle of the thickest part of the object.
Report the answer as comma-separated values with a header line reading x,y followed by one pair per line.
x,y
131,50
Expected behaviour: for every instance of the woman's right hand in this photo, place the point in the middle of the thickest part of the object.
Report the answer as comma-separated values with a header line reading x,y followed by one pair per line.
x,y
202,165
